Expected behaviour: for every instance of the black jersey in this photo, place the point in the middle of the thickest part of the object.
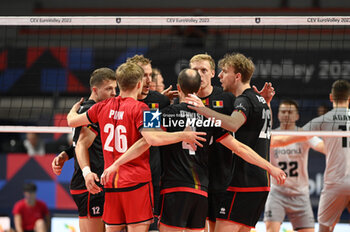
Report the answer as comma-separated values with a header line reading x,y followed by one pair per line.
x,y
155,100
95,152
255,133
183,167
220,157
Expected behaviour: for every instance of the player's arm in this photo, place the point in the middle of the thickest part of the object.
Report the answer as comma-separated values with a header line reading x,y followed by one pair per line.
x,y
74,119
154,138
252,157
317,144
86,138
133,152
230,123
267,92
58,162
18,223
160,138
284,140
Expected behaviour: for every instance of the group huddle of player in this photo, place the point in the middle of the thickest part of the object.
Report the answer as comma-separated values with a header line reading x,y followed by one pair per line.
x,y
175,178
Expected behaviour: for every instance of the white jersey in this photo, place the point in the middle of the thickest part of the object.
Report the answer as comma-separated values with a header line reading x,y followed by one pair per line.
x,y
337,149
293,159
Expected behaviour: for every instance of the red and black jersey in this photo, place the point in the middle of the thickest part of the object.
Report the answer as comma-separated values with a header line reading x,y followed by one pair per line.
x,y
120,120
95,151
183,168
220,157
255,133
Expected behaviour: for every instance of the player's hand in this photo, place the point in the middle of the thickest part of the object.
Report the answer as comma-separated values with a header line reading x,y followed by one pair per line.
x,y
58,162
108,172
193,138
266,92
195,103
171,94
77,105
90,183
279,175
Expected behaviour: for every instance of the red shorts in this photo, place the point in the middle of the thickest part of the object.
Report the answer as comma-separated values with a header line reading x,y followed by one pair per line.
x,y
129,205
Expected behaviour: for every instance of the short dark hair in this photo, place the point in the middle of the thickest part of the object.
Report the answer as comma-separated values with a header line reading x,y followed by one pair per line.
x,y
290,102
100,75
189,81
340,90
29,187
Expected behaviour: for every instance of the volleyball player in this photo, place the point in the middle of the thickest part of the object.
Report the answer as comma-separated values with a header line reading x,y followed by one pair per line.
x,y
292,198
128,194
251,122
221,164
335,195
88,156
154,100
184,180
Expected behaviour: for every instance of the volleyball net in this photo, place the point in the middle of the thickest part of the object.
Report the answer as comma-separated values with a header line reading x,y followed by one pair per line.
x,y
46,62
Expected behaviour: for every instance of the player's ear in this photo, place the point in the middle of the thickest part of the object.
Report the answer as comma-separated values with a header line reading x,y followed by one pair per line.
x,y
239,76
212,73
94,89
139,84
331,97
178,88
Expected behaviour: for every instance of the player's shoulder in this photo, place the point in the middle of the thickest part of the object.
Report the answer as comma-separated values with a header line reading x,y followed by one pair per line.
x,y
157,96
219,92
87,104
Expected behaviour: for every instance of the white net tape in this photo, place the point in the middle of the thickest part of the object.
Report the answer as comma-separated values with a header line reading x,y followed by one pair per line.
x,y
53,129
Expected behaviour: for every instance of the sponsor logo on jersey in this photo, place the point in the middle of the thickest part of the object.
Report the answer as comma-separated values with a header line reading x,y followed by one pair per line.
x,y
223,211
241,107
218,104
151,119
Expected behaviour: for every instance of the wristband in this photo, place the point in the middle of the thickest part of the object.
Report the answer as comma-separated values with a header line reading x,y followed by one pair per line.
x,y
86,170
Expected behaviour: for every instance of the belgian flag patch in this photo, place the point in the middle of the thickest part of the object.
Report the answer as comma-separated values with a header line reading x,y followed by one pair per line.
x,y
153,105
218,104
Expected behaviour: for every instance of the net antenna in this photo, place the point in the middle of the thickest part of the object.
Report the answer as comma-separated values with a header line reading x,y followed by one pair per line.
x,y
46,62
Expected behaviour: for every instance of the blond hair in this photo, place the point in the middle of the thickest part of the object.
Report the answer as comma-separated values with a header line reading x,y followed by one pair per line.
x,y
128,75
139,60
203,57
240,63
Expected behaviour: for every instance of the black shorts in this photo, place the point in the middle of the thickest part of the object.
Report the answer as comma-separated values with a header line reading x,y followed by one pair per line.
x,y
242,207
214,199
183,210
89,205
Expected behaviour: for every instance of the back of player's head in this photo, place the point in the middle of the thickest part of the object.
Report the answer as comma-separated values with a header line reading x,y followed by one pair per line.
x,y
189,81
100,75
128,75
290,102
340,90
139,60
29,187
240,63
204,57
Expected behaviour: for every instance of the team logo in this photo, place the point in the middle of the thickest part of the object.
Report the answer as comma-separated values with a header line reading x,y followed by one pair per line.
x,y
118,20
223,211
257,20
151,119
